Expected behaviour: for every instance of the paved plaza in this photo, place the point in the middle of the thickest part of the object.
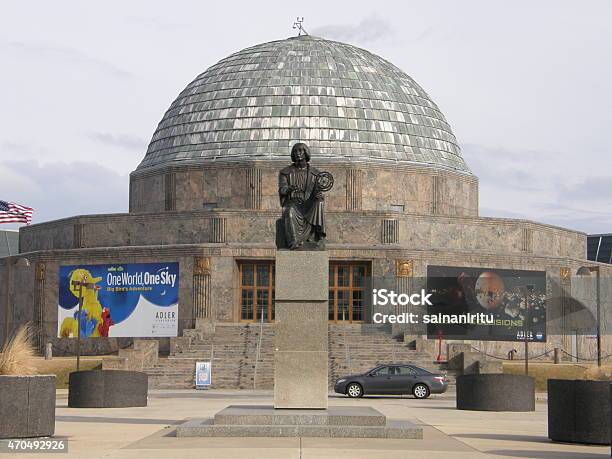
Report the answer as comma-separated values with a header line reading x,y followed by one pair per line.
x,y
149,432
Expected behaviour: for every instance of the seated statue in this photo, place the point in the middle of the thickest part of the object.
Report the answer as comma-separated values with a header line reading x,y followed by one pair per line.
x,y
301,187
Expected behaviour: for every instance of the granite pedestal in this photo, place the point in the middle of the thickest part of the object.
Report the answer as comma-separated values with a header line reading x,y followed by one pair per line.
x,y
267,421
495,392
579,411
300,342
27,406
107,389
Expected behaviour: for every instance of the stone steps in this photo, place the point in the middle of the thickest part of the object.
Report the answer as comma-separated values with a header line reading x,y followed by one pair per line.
x,y
234,351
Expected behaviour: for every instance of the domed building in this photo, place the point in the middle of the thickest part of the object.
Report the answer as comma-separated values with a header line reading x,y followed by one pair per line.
x,y
205,196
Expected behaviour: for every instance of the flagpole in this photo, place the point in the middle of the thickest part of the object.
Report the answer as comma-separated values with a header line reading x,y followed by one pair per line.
x,y
7,302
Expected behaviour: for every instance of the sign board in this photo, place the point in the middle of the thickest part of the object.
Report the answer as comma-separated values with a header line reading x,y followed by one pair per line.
x,y
513,300
134,300
203,375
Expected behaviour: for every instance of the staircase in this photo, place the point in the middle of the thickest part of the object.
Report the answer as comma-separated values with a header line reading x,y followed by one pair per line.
x,y
232,348
354,349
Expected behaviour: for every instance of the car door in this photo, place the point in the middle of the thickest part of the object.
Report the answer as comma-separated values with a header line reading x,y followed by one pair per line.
x,y
404,379
378,381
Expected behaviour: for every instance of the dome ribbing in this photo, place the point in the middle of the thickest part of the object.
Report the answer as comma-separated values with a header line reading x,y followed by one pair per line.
x,y
345,102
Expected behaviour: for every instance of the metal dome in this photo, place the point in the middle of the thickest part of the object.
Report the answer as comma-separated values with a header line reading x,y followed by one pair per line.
x,y
345,102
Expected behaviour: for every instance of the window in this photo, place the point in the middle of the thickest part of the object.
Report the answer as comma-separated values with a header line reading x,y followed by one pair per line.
x,y
405,371
256,291
347,291
383,371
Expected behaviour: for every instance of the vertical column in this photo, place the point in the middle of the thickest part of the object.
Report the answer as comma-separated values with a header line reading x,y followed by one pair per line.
x,y
39,306
131,206
353,189
77,236
253,183
435,192
218,229
390,231
300,341
526,240
170,191
202,298
565,285
403,281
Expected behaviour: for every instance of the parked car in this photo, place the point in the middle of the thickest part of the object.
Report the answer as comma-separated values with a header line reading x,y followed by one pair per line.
x,y
393,379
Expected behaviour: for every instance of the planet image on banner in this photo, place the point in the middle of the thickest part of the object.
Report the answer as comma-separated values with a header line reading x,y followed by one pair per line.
x,y
489,290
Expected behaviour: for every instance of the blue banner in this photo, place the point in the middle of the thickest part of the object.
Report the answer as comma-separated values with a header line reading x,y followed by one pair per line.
x,y
119,300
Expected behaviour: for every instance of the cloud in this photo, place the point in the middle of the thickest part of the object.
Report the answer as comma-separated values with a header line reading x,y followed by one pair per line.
x,y
597,188
506,168
20,148
157,23
60,189
543,186
370,29
127,141
66,54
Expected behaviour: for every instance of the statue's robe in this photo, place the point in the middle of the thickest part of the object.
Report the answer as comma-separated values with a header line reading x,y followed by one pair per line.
x,y
303,216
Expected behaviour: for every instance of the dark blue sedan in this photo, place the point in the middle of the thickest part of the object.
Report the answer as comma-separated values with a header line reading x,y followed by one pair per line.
x,y
393,380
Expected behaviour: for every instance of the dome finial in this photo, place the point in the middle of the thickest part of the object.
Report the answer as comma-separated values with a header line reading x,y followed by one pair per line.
x,y
298,25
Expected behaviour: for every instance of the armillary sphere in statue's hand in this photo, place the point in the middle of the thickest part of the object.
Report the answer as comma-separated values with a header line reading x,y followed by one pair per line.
x,y
325,181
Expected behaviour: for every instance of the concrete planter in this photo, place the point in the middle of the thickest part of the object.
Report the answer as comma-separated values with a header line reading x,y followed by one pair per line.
x,y
579,411
27,406
495,392
107,389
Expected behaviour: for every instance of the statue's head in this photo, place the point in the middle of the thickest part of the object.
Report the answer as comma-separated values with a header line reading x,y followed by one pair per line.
x,y
300,152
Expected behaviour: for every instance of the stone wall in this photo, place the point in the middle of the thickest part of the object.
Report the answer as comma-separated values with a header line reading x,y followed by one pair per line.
x,y
363,228
414,189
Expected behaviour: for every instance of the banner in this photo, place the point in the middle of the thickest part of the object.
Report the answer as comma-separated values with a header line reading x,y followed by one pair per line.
x,y
203,374
119,300
512,301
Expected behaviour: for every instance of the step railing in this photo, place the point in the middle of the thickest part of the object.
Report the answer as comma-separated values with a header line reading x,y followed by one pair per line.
x,y
257,355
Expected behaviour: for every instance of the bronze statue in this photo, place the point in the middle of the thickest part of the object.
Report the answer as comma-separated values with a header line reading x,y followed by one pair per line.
x,y
301,188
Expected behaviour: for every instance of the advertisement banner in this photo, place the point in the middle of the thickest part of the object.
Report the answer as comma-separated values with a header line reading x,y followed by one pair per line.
x,y
508,303
203,375
135,300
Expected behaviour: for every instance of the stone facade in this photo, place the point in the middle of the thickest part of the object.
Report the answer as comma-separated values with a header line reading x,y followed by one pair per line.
x,y
225,299
411,189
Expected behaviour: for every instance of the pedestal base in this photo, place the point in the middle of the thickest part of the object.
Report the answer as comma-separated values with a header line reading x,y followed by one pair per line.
x,y
265,421
300,341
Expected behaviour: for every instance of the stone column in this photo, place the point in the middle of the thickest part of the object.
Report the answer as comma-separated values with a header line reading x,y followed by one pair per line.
x,y
300,348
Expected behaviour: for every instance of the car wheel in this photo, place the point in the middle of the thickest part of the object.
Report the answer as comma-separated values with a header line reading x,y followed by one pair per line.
x,y
420,391
354,390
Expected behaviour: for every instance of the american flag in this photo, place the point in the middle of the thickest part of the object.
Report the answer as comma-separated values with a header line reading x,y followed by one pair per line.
x,y
11,212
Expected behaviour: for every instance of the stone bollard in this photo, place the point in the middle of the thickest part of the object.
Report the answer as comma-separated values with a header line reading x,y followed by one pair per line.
x,y
556,355
579,411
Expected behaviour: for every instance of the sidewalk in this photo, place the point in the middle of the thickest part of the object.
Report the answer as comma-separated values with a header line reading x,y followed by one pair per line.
x,y
448,433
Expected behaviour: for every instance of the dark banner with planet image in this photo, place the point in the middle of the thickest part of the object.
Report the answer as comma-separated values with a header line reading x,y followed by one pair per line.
x,y
514,302
134,300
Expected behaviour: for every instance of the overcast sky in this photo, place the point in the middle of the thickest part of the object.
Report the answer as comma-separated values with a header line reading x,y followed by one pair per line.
x,y
526,86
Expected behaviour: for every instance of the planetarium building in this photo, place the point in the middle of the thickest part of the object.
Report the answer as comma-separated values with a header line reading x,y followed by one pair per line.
x,y
204,201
